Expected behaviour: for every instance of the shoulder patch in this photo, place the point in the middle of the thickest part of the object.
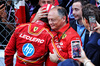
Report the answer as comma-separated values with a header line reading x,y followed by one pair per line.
x,y
63,36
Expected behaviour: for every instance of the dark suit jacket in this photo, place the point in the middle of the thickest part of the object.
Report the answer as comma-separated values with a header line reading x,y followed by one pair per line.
x,y
92,2
92,49
74,26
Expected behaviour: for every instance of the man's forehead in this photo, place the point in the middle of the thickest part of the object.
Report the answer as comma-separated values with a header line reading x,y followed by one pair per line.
x,y
77,3
53,14
52,11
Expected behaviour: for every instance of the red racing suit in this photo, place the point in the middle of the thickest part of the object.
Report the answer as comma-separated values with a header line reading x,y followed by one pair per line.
x,y
63,45
30,41
32,17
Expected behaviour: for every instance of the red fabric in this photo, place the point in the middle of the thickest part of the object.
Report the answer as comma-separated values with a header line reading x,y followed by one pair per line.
x,y
63,48
56,3
20,14
68,19
32,17
48,7
26,33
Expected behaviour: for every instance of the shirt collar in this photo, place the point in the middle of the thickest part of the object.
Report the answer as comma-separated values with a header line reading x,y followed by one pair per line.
x,y
78,24
64,28
41,23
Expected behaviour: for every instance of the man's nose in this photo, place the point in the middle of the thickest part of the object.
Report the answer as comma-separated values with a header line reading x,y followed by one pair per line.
x,y
50,22
73,12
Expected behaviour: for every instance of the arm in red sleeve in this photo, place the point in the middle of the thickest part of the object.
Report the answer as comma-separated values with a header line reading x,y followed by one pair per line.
x,y
10,51
66,52
32,17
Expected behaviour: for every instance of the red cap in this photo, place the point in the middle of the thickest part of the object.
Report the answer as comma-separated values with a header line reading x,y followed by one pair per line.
x,y
48,7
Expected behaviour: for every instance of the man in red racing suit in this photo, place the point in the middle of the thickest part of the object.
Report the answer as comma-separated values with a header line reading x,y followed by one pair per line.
x,y
30,41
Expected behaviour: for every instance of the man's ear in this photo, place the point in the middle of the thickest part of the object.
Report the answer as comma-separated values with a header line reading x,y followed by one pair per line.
x,y
64,18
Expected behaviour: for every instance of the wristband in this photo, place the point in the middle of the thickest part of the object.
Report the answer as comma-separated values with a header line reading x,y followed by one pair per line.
x,y
59,60
86,62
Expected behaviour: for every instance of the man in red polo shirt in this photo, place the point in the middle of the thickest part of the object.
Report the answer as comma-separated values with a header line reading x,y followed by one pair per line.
x,y
61,44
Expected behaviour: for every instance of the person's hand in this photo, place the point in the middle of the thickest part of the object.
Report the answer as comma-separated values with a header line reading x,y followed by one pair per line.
x,y
3,14
84,59
53,57
4,17
42,13
97,29
2,11
83,56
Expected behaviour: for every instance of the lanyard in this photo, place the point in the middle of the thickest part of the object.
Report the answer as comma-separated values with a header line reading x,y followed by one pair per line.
x,y
83,32
63,33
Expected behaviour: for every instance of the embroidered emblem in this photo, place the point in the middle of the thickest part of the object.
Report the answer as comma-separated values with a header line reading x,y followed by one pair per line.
x,y
63,36
35,28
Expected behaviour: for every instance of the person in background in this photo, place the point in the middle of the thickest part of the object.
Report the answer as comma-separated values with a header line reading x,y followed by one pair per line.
x,y
57,18
7,13
7,21
31,5
28,10
77,24
70,15
66,4
97,29
71,62
41,12
92,49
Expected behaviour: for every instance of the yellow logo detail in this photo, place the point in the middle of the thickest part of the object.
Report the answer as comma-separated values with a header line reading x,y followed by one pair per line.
x,y
63,36
35,28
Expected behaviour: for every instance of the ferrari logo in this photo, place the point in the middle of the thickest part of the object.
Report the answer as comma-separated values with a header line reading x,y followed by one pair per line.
x,y
35,28
63,36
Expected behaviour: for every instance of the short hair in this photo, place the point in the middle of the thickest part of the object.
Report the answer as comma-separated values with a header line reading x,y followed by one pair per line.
x,y
62,12
83,2
91,10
